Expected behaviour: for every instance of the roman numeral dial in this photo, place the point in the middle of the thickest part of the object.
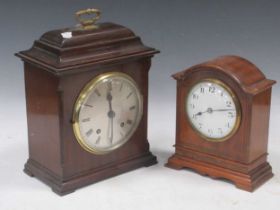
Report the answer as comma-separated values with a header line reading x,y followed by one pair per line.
x,y
108,112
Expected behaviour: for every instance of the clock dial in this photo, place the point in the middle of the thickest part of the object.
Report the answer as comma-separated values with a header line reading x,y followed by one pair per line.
x,y
212,110
107,112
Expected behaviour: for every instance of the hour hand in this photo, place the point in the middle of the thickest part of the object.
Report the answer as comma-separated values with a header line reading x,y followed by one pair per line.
x,y
111,113
199,113
109,97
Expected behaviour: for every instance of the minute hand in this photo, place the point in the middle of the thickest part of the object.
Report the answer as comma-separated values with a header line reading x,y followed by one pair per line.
x,y
222,110
109,99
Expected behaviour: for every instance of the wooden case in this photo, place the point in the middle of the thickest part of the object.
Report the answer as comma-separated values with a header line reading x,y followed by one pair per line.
x,y
243,158
56,68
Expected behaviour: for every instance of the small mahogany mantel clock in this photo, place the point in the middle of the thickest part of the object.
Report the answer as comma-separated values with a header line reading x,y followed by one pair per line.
x,y
86,93
223,109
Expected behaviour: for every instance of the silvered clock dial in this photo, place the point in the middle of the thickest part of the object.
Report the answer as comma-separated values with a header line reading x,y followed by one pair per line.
x,y
107,112
213,110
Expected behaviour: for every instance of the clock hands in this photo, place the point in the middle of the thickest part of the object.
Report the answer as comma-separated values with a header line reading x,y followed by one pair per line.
x,y
210,110
110,130
200,113
111,134
109,99
223,110
111,115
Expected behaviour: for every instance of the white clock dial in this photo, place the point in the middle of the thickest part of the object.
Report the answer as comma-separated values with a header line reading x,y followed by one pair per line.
x,y
108,111
212,110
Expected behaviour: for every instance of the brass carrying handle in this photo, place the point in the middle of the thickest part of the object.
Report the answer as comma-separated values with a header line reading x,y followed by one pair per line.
x,y
88,23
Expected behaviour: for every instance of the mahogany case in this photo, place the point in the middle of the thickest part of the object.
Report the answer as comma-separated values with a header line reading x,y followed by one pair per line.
x,y
242,158
56,69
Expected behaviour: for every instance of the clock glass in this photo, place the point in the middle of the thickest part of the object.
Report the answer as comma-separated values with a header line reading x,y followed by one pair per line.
x,y
213,110
107,112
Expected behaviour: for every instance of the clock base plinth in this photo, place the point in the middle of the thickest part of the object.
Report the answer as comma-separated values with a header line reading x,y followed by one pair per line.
x,y
27,171
245,181
63,187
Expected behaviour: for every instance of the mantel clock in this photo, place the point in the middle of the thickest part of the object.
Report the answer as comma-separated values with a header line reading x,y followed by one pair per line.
x,y
223,108
86,94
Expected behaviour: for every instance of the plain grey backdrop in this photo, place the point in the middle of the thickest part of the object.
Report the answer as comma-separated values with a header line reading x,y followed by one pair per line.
x,y
186,32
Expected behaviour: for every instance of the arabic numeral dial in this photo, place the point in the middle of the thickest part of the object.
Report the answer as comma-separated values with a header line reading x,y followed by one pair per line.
x,y
213,110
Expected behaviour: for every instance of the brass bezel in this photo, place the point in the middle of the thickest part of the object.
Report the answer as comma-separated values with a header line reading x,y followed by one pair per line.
x,y
82,96
237,105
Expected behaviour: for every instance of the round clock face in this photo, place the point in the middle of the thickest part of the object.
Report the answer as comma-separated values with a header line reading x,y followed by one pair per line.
x,y
213,110
107,112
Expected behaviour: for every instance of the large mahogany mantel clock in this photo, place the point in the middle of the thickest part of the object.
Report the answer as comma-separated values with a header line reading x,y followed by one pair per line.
x,y
86,93
223,109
